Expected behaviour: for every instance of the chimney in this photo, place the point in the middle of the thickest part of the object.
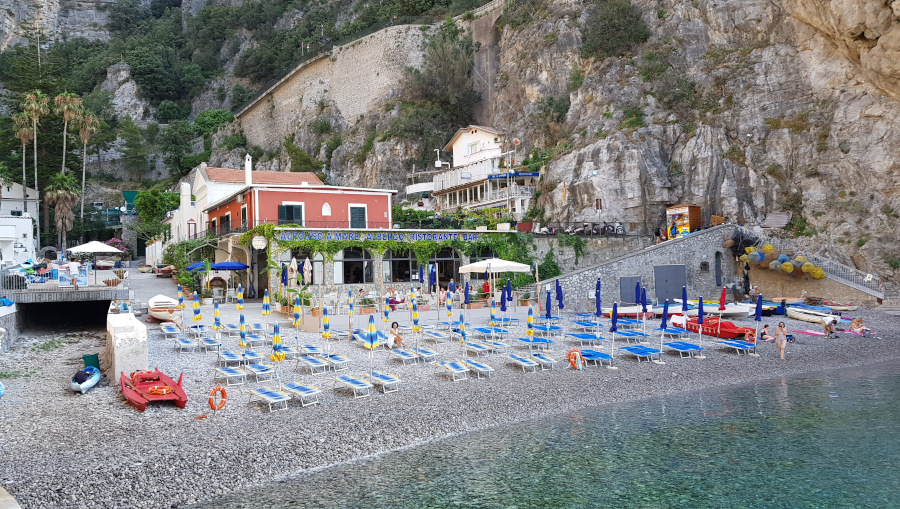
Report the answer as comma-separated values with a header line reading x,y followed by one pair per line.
x,y
203,166
184,198
248,170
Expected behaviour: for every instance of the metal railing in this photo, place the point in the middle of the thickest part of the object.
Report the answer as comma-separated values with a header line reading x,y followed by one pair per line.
x,y
11,279
466,174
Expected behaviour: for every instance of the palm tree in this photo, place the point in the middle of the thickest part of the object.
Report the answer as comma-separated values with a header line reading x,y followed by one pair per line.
x,y
67,105
63,192
87,125
36,105
23,132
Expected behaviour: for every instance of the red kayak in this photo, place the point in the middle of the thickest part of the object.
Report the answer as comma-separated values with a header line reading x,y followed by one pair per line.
x,y
142,387
727,330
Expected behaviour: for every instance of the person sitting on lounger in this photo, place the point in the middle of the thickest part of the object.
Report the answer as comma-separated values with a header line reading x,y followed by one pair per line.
x,y
857,326
765,335
394,339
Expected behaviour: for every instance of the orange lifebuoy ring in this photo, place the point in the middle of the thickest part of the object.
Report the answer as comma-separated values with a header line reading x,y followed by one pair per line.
x,y
575,358
218,390
160,389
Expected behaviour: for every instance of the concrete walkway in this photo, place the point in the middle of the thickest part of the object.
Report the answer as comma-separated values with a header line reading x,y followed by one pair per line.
x,y
7,502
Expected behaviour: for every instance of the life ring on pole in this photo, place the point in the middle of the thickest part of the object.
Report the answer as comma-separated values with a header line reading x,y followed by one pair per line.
x,y
575,359
217,391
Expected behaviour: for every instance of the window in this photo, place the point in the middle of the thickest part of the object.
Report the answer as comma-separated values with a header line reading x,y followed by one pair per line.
x,y
473,147
290,214
358,216
399,267
353,266
192,229
326,209
15,213
225,222
316,261
244,216
212,226
447,262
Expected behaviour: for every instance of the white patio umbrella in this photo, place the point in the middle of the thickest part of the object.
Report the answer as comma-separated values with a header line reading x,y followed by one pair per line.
x,y
496,266
94,247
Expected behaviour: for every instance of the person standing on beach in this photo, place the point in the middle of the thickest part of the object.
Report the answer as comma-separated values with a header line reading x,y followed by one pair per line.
x,y
781,334
74,268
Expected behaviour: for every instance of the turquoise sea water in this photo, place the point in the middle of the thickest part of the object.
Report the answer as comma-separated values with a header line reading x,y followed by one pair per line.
x,y
823,440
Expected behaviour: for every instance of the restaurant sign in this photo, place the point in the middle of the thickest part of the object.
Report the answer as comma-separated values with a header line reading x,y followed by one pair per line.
x,y
286,236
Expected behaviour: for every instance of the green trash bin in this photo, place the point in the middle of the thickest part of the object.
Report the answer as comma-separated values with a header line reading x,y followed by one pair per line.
x,y
91,359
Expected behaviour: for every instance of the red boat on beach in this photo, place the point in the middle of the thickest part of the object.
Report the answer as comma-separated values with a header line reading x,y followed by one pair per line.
x,y
142,387
727,330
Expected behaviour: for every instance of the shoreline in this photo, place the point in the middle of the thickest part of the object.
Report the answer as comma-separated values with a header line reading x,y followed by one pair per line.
x,y
164,457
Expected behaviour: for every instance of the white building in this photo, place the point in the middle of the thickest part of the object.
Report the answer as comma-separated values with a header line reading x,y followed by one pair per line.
x,y
478,178
11,202
16,239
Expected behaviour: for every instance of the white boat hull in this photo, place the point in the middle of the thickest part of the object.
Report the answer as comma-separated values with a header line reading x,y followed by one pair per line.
x,y
730,311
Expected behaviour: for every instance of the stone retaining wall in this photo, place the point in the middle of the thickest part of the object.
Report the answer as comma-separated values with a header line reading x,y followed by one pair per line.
x,y
9,320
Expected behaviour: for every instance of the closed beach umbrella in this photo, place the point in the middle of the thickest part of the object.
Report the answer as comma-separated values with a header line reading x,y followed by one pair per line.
x,y
300,278
549,307
326,324
700,313
371,334
509,296
665,316
422,275
466,293
240,297
217,324
637,292
296,311
758,316
449,304
432,276
559,296
350,310
180,298
267,304
387,309
503,299
684,301
493,312
284,276
462,327
306,270
277,354
722,299
197,315
599,303
415,316
614,317
486,276
529,330
700,327
242,328
598,285
643,300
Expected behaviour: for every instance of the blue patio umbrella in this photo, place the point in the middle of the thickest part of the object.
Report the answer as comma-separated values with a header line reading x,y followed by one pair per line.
x,y
422,276
614,318
509,297
486,276
684,301
598,285
700,327
559,296
296,322
462,327
300,274
700,313
643,300
284,277
242,328
503,300
432,276
599,305
758,316
230,266
549,307
637,292
196,266
466,293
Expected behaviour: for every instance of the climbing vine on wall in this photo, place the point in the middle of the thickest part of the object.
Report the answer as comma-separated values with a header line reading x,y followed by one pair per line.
x,y
576,242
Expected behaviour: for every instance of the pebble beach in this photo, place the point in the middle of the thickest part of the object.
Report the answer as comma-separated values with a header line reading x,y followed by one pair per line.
x,y
62,449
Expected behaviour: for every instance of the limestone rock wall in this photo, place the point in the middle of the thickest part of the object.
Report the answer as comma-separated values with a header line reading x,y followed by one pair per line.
x,y
59,19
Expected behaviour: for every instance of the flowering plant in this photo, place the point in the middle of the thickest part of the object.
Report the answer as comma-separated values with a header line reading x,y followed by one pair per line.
x,y
120,245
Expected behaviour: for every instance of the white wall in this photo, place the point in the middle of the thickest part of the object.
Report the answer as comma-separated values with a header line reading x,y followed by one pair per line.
x,y
485,147
12,199
16,230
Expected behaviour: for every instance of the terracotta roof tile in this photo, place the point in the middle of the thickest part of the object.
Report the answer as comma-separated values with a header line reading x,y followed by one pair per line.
x,y
262,177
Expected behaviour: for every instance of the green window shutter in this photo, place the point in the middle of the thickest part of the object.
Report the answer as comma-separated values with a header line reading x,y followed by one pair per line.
x,y
282,214
357,217
298,214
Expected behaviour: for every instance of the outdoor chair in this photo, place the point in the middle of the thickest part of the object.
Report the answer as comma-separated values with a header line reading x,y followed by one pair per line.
x,y
270,396
305,394
457,369
479,368
388,383
360,388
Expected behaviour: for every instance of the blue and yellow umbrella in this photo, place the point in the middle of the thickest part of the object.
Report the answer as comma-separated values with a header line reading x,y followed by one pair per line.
x,y
197,316
217,325
267,304
277,354
326,324
240,298
530,323
387,310
296,311
493,312
415,317
242,342
371,338
180,299
350,301
449,304
462,327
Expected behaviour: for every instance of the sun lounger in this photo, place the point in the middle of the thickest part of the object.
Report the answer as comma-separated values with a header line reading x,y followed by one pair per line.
x,y
256,340
496,346
524,362
232,376
262,370
544,360
641,352
425,354
305,394
539,343
227,356
479,368
208,343
739,346
170,330
182,344
672,331
476,348
270,397
361,388
338,362
313,363
404,355
588,326
340,333
310,349
683,349
506,320
198,330
629,322
442,325
585,338
457,370
596,357
232,330
251,356
388,383
289,352
491,331
437,337
548,330
632,335
258,328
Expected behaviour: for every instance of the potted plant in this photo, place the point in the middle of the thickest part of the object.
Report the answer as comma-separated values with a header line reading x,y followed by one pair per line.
x,y
316,311
206,297
525,300
120,273
112,282
367,306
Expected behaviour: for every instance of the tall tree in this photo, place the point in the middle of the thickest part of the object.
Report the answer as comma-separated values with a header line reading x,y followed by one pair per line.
x,y
22,126
87,125
63,193
36,105
66,105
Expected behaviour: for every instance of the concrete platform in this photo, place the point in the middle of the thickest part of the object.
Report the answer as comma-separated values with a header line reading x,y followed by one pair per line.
x,y
32,296
7,502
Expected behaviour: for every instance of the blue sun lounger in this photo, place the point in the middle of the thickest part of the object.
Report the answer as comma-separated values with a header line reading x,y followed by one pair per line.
x,y
596,357
227,356
404,355
588,326
425,354
270,397
310,349
305,394
258,328
629,322
170,330
476,348
289,353
524,362
491,331
232,330
641,352
442,325
672,332
256,340
435,336
262,370
338,362
251,356
229,373
739,346
684,349
313,363
340,333
630,335
198,330
457,370
585,338
209,343
496,346
549,330
479,368
539,343
506,320
182,344
544,360
388,383
361,388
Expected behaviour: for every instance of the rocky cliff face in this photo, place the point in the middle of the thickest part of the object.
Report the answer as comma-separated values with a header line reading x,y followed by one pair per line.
x,y
794,108
57,19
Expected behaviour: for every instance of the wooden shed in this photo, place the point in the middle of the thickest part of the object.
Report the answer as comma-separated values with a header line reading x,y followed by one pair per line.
x,y
685,217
